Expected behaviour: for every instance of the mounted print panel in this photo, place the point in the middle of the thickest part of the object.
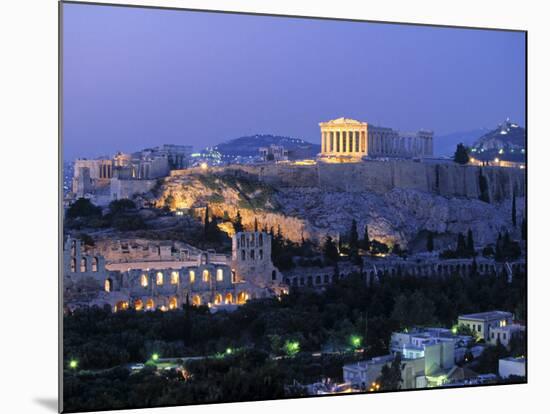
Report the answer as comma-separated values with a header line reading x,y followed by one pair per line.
x,y
261,207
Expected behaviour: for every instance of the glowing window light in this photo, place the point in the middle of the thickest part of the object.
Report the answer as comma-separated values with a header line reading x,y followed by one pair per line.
x,y
160,278
191,276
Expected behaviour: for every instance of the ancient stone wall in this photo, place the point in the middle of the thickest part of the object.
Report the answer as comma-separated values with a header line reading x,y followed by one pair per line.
x,y
446,179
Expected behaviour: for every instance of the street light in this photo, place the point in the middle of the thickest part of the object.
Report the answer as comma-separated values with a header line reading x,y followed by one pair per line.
x,y
228,351
155,357
73,364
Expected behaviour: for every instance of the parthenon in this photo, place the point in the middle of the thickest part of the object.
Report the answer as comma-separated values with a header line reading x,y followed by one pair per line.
x,y
350,140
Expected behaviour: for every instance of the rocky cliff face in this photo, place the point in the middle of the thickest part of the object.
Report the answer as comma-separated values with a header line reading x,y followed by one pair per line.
x,y
402,214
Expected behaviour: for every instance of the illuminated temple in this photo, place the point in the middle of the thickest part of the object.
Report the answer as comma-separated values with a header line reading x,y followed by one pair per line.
x,y
345,139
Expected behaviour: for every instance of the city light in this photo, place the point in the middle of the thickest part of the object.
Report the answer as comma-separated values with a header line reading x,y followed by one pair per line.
x,y
228,351
204,166
355,341
73,364
155,357
292,347
374,387
497,160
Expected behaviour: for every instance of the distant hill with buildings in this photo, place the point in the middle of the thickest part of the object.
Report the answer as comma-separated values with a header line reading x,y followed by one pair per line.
x,y
249,146
506,142
507,139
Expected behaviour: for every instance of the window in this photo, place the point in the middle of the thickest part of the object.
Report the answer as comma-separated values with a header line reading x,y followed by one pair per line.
x,y
138,305
73,265
94,264
173,303
504,336
252,254
243,254
205,275
261,240
261,254
492,335
217,299
196,300
219,275
160,278
191,276
144,280
83,265
174,278
108,285
150,304
479,328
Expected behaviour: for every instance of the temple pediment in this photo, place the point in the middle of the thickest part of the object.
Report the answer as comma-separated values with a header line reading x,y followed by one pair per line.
x,y
346,121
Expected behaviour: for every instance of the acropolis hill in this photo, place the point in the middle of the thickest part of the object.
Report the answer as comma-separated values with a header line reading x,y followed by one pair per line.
x,y
397,199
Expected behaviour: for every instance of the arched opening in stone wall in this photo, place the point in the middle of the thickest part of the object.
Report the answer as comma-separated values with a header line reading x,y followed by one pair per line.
x,y
174,278
138,305
196,300
122,305
217,299
144,280
172,303
83,265
191,276
94,264
150,304
243,254
228,299
160,278
108,285
242,297
219,275
73,265
205,275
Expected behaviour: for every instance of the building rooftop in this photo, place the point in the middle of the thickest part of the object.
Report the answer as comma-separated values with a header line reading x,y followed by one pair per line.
x,y
486,316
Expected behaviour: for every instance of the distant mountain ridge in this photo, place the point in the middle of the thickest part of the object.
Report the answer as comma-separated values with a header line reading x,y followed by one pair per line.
x,y
249,146
445,145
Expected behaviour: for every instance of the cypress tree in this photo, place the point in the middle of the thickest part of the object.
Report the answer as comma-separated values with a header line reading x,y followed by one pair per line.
x,y
470,243
238,223
514,219
206,222
430,242
366,241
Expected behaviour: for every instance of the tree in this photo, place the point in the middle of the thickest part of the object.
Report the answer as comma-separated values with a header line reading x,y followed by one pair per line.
x,y
83,208
461,154
366,241
470,243
514,214
121,206
483,187
430,242
238,223
353,236
330,251
206,221
460,244
390,375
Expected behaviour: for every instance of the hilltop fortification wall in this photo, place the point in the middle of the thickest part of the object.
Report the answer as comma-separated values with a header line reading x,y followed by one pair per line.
x,y
444,179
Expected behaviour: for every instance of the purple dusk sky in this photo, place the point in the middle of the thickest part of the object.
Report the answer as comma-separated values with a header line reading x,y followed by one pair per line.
x,y
137,77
